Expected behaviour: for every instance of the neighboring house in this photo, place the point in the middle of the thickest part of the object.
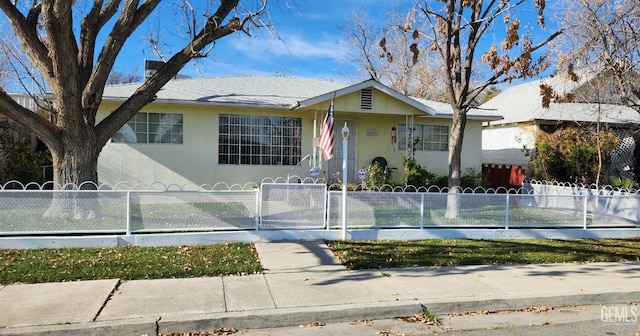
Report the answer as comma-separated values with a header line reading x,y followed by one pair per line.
x,y
243,129
27,101
589,98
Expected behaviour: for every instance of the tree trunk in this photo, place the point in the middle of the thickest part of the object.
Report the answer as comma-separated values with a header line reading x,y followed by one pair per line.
x,y
455,157
76,164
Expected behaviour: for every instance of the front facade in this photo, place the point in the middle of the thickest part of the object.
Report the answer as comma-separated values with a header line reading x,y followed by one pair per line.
x,y
238,130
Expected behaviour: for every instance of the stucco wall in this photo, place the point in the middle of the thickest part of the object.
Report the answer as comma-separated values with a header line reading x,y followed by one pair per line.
x,y
503,144
196,160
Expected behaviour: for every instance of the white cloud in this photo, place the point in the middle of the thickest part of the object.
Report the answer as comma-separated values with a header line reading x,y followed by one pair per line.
x,y
295,46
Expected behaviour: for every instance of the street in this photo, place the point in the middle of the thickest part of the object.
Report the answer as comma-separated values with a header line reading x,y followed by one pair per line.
x,y
618,319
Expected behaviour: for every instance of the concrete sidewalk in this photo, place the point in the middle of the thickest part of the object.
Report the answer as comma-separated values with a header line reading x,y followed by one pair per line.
x,y
303,283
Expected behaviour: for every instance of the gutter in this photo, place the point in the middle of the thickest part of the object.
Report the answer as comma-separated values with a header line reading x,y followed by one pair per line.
x,y
469,117
204,103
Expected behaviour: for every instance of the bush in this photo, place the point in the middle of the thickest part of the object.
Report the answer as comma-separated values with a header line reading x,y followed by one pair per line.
x,y
17,160
375,176
571,154
621,182
416,175
473,179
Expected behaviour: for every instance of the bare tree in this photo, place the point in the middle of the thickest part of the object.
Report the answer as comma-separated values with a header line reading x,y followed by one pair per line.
x,y
601,51
361,37
389,55
488,94
61,41
121,77
456,30
5,70
604,36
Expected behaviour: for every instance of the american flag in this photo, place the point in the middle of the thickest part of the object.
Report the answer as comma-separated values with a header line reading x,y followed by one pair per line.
x,y
326,134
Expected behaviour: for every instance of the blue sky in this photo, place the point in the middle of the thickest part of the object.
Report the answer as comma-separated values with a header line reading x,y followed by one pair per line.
x,y
310,44
308,41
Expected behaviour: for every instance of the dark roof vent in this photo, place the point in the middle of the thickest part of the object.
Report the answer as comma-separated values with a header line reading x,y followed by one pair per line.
x,y
366,99
150,67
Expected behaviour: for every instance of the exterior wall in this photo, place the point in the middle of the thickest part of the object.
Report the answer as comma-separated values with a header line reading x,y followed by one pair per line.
x,y
437,161
195,162
503,144
381,104
373,137
471,147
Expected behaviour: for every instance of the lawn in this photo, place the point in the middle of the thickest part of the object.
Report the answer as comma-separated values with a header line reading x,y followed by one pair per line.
x,y
150,217
452,252
191,216
132,263
127,262
362,215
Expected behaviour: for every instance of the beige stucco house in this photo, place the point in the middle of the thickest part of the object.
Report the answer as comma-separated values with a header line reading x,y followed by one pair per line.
x,y
243,129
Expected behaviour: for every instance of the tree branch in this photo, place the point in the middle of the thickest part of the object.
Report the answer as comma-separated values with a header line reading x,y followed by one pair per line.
x,y
90,27
130,18
212,31
25,30
32,121
495,78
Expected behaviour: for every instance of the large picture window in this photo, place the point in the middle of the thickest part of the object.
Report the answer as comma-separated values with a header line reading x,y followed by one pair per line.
x,y
425,137
259,140
161,128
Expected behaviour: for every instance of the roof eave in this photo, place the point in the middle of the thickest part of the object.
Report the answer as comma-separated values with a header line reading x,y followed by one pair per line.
x,y
470,117
485,117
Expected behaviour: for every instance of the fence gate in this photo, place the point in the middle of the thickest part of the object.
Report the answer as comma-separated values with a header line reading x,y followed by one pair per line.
x,y
292,206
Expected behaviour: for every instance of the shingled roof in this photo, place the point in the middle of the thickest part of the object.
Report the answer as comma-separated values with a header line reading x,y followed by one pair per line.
x,y
273,92
523,103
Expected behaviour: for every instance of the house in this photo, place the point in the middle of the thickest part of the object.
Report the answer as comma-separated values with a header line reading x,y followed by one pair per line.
x,y
30,102
242,129
585,97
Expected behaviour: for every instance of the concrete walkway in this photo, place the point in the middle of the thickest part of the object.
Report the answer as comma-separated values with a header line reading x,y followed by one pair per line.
x,y
303,283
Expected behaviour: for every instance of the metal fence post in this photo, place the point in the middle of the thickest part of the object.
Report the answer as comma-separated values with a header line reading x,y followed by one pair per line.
x,y
422,211
506,223
258,196
584,211
128,229
327,206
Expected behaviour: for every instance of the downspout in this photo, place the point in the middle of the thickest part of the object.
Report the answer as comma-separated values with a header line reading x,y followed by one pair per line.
x,y
314,158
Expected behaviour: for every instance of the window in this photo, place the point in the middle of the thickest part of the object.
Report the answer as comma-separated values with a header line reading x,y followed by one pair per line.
x,y
258,140
166,128
426,137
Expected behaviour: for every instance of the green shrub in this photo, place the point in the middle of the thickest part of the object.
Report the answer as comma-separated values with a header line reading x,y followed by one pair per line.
x,y
472,179
17,160
618,182
416,175
571,154
375,176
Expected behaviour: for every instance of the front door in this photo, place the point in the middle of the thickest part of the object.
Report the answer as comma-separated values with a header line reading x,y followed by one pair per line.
x,y
335,164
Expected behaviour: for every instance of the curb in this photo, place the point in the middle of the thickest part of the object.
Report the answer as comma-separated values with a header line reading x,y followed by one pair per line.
x,y
448,307
306,315
238,320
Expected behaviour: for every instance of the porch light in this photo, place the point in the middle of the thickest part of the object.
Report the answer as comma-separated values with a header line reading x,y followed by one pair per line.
x,y
345,131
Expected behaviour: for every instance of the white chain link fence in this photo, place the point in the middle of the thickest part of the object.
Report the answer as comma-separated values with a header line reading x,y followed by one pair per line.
x,y
302,204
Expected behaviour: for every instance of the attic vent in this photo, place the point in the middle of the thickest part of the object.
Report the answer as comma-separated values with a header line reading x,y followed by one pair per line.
x,y
366,99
